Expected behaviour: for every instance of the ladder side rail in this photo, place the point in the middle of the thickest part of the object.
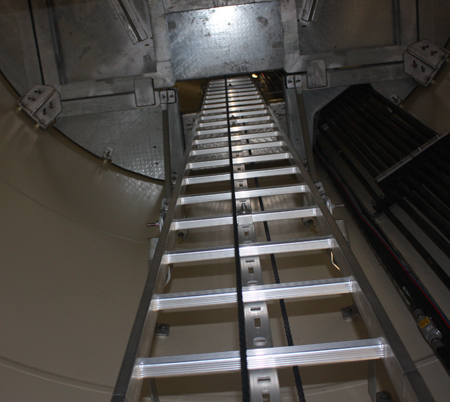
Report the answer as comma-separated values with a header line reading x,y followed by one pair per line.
x,y
128,386
408,382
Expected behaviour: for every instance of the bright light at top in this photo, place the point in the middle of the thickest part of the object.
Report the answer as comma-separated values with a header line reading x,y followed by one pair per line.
x,y
254,76
222,18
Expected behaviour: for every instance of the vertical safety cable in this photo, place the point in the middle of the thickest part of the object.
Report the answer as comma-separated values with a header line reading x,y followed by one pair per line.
x,y
237,258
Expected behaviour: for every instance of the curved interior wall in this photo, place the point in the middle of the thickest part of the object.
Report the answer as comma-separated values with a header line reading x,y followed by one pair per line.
x,y
74,249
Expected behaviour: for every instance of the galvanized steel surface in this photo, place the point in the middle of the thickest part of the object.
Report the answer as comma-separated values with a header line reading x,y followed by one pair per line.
x,y
340,23
93,43
135,136
226,40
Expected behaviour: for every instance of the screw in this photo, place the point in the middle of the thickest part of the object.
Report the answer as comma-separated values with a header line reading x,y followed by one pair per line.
x,y
425,47
348,309
162,327
385,395
414,64
433,52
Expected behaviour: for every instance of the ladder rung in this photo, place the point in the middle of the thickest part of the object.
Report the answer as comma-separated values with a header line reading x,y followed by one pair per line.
x,y
235,104
236,79
240,92
239,160
250,250
238,137
249,119
216,95
232,81
212,123
233,109
249,174
230,91
219,297
232,98
240,194
239,79
236,129
219,87
264,358
238,97
238,121
236,114
238,148
239,83
264,216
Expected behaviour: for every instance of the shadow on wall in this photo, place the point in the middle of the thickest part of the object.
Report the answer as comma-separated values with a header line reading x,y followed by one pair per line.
x,y
73,261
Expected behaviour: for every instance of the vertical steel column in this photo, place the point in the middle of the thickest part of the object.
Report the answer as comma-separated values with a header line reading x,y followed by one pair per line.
x,y
167,160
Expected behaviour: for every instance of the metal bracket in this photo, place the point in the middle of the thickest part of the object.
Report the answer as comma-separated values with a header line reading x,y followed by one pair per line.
x,y
349,312
422,60
162,329
144,92
168,96
316,73
294,81
290,81
42,103
130,21
320,188
383,396
311,10
343,228
162,214
107,153
395,99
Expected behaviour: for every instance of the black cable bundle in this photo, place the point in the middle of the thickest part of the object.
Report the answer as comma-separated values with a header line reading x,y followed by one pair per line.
x,y
237,259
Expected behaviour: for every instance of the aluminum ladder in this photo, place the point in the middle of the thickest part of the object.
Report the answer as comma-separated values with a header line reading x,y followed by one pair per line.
x,y
234,114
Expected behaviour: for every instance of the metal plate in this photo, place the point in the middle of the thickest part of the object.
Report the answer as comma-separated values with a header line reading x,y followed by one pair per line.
x,y
348,25
227,40
174,6
14,38
134,135
93,44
